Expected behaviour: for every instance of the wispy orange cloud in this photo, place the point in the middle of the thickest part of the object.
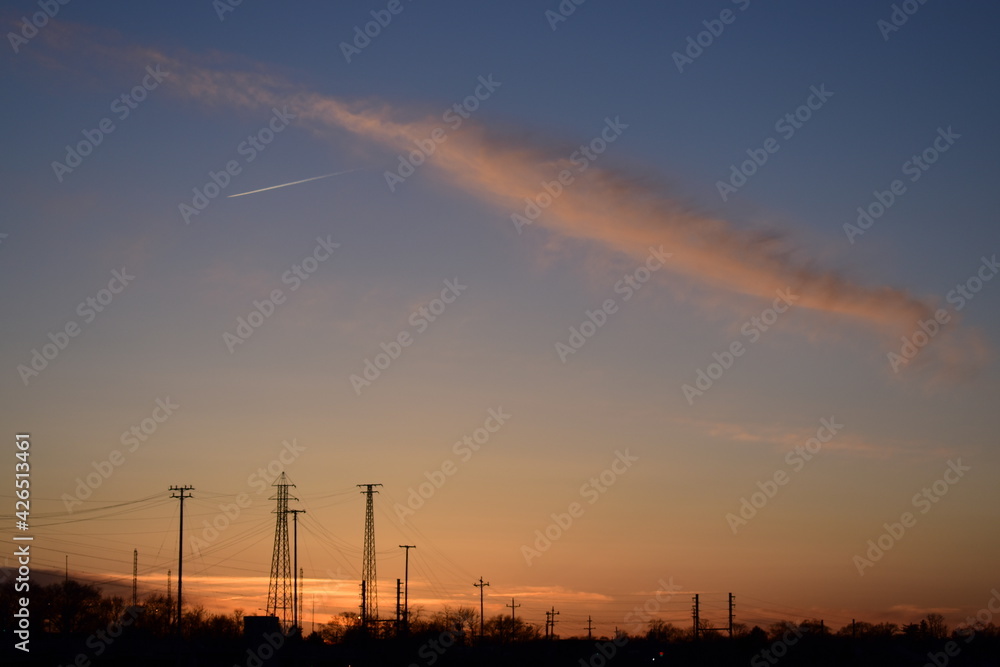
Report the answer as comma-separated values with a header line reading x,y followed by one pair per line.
x,y
783,438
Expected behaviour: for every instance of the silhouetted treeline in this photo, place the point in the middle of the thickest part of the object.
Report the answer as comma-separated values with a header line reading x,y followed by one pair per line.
x,y
72,623
72,607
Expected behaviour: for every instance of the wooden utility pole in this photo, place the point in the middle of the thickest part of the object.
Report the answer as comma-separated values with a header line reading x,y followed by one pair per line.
x,y
694,614
406,587
512,608
135,577
182,490
482,619
731,598
170,600
399,608
550,620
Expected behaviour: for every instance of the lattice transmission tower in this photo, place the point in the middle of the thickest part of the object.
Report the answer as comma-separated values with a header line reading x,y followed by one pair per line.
x,y
279,590
369,585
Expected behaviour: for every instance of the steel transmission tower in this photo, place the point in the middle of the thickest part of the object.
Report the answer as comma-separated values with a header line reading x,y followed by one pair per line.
x,y
369,585
279,590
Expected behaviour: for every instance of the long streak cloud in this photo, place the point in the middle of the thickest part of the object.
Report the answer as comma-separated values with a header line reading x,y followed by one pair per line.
x,y
602,206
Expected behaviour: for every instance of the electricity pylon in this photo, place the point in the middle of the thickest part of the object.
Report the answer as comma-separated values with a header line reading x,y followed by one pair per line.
x,y
369,588
279,591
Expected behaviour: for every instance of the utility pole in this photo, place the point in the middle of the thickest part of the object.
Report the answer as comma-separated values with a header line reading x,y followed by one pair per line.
x,y
590,628
550,620
399,609
135,576
295,566
406,588
482,620
369,588
694,614
170,601
183,493
364,601
512,608
731,599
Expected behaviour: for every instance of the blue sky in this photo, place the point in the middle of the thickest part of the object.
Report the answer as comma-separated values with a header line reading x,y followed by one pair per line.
x,y
495,345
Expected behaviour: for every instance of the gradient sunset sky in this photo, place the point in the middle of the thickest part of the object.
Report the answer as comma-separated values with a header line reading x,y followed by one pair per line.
x,y
626,135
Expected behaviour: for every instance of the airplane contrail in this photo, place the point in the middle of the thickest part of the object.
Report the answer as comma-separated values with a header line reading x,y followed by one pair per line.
x,y
304,180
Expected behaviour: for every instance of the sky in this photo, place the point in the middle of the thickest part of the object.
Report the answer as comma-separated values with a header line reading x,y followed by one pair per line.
x,y
619,302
